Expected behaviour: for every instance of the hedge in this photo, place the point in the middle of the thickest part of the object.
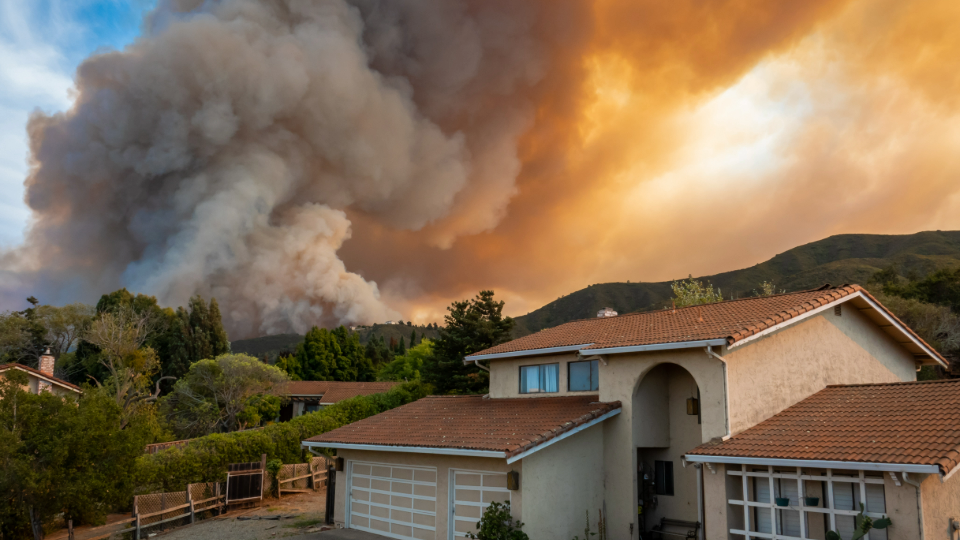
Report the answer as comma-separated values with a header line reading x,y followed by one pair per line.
x,y
205,459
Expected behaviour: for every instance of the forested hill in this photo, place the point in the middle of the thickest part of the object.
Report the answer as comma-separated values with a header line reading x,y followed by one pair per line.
x,y
845,258
271,346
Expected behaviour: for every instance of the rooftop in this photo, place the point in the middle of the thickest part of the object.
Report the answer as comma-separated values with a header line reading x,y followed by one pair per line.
x,y
891,423
510,426
40,374
730,321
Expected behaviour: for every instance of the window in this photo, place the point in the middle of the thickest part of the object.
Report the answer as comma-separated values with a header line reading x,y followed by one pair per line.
x,y
663,477
584,376
836,497
539,379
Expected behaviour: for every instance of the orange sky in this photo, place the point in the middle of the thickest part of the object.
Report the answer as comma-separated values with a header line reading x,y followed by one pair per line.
x,y
698,138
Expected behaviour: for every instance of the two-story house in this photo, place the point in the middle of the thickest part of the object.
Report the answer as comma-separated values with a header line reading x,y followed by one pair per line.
x,y
658,415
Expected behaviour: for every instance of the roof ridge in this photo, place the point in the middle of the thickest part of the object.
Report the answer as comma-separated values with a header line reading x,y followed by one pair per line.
x,y
894,383
747,299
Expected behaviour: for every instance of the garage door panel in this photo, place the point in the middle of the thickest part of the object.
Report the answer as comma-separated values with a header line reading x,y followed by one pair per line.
x,y
393,501
473,492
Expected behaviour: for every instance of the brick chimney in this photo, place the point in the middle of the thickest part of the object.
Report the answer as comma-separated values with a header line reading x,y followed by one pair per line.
x,y
46,363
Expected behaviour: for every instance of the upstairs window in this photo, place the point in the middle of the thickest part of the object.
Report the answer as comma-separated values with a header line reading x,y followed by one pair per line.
x,y
540,379
584,376
663,477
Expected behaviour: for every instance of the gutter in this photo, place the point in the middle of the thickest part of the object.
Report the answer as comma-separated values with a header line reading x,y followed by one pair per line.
x,y
406,449
817,463
726,390
528,352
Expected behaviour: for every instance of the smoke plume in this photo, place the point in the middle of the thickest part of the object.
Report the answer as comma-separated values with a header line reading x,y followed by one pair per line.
x,y
217,154
331,161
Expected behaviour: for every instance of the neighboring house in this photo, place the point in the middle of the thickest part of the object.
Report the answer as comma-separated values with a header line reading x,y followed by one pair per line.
x,y
42,379
606,413
311,396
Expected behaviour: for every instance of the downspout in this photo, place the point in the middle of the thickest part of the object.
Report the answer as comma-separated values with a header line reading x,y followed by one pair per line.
x,y
726,391
699,468
481,366
919,501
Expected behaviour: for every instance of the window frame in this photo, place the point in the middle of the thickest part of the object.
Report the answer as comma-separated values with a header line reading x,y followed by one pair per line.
x,y
857,478
669,488
570,378
540,377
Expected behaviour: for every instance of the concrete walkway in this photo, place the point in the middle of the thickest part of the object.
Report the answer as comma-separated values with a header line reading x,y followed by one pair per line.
x,y
339,534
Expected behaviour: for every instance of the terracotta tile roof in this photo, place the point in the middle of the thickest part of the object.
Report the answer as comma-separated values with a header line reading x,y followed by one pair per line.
x,y
38,373
472,422
732,320
897,423
334,391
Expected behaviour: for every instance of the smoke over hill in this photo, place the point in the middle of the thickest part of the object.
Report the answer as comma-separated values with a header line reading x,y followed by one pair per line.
x,y
218,154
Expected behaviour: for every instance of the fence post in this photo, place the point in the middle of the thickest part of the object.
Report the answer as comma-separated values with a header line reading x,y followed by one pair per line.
x,y
136,535
190,500
331,493
70,529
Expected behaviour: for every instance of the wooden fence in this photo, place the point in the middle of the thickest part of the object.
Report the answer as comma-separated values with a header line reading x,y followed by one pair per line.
x,y
303,477
175,508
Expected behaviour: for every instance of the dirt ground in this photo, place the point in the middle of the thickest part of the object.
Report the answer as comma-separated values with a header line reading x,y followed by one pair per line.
x,y
292,515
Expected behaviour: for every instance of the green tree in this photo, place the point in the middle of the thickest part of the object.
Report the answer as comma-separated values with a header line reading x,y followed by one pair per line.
x,y
413,337
227,393
330,355
941,287
408,367
471,326
61,457
690,292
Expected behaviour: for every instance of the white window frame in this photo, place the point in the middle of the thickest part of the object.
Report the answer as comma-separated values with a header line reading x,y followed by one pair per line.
x,y
800,478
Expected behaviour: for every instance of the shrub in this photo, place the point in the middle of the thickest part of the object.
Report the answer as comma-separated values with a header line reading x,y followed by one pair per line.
x,y
498,524
273,471
205,459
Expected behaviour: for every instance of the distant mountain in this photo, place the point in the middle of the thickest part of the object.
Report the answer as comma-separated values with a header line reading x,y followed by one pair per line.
x,y
845,258
271,346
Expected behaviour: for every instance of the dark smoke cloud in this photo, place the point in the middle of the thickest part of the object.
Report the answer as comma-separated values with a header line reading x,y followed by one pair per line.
x,y
218,153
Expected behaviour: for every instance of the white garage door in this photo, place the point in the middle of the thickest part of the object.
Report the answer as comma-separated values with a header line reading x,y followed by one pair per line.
x,y
473,491
399,502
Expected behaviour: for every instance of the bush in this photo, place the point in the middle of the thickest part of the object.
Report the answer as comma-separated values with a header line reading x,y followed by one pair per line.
x,y
273,471
498,524
205,459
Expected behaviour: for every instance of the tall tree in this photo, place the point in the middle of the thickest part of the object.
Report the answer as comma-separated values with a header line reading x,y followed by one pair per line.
x,y
408,367
230,392
471,326
61,458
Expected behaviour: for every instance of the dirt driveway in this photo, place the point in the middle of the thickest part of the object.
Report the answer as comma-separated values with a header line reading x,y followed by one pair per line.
x,y
293,515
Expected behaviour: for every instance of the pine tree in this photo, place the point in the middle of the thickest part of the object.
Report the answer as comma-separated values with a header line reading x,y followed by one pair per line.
x,y
471,326
413,338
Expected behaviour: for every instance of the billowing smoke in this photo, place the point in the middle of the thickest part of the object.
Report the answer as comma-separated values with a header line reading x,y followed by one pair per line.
x,y
219,153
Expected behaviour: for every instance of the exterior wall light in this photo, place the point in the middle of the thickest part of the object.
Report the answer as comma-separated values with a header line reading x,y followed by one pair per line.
x,y
513,480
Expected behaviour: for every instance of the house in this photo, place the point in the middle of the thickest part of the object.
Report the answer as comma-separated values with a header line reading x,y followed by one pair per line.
x,y
311,396
611,413
42,379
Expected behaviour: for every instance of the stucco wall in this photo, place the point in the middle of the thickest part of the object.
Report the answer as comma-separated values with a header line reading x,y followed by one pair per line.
x,y
505,375
715,520
941,501
776,371
443,464
560,483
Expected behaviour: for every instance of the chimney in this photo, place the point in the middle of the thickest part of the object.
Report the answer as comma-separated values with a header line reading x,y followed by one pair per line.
x,y
46,363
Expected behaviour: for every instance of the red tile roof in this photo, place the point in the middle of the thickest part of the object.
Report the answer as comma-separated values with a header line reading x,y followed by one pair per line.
x,y
334,391
894,423
38,373
732,320
473,423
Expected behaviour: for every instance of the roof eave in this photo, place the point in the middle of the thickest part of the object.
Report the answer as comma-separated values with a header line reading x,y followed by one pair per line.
x,y
582,427
820,464
407,449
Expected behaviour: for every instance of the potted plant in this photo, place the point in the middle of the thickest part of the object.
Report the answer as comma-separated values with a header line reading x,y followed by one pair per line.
x,y
811,501
863,525
783,501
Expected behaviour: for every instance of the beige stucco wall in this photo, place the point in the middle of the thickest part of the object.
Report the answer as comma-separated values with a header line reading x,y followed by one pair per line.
x,y
505,375
940,501
443,464
772,373
33,385
560,483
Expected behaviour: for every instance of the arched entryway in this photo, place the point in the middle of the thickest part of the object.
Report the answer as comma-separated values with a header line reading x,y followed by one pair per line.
x,y
666,424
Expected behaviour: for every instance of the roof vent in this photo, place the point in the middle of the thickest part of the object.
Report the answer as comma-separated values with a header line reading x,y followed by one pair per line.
x,y
606,312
